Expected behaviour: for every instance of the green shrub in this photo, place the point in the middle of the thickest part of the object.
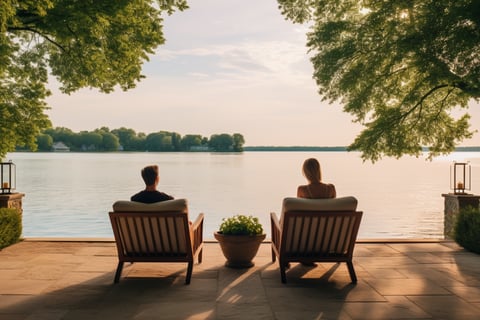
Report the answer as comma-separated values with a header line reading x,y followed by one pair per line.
x,y
10,226
241,225
467,229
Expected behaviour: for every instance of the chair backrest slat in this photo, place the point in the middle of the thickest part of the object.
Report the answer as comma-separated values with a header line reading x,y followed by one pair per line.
x,y
149,233
319,233
159,241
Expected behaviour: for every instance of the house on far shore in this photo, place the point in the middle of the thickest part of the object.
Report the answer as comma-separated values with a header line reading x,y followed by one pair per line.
x,y
60,147
199,148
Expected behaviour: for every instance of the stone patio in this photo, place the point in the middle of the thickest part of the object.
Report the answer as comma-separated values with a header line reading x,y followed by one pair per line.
x,y
45,279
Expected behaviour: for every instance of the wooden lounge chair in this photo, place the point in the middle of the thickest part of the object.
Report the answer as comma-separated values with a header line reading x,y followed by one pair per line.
x,y
315,230
157,232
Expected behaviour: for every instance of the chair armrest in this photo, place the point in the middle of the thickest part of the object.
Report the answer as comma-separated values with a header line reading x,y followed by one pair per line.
x,y
276,230
196,233
274,220
198,222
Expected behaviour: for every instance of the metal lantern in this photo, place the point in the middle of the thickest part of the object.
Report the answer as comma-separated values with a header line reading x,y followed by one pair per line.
x,y
8,179
460,177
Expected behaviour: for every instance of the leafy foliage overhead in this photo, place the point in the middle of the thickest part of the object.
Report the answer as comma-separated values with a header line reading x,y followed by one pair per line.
x,y
399,67
82,43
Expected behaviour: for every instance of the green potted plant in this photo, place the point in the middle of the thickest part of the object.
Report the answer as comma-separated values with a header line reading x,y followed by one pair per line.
x,y
240,237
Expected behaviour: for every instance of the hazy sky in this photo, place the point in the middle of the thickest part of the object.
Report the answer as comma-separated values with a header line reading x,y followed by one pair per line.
x,y
228,66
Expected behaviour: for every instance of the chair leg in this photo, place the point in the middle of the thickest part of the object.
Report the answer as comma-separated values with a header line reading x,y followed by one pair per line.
x,y
351,270
283,274
189,272
200,254
274,256
118,273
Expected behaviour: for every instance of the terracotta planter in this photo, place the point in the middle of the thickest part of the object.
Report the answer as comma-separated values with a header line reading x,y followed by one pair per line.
x,y
239,250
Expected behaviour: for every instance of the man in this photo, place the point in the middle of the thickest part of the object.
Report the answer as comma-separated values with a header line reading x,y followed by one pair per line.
x,y
150,194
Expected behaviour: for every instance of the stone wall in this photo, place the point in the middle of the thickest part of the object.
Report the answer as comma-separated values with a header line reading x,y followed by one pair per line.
x,y
12,200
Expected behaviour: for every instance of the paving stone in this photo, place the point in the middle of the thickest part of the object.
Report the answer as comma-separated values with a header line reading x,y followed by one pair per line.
x,y
9,274
420,247
281,298
50,271
109,251
470,294
97,264
10,263
384,273
384,262
393,308
446,307
336,314
375,250
428,272
82,278
19,303
48,314
13,316
462,275
241,311
399,287
179,309
431,258
27,286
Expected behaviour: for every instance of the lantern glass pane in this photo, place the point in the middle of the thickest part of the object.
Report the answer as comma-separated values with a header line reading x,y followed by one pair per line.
x,y
460,177
7,177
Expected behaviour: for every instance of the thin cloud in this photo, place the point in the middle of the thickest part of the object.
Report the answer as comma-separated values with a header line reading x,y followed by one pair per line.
x,y
246,61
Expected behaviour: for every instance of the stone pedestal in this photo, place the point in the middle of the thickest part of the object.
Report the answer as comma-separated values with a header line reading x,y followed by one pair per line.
x,y
12,200
453,204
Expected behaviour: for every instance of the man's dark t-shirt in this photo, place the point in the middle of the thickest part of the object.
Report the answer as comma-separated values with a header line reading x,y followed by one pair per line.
x,y
150,196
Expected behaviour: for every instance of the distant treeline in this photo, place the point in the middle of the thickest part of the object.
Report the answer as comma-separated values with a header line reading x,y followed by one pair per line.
x,y
124,139
468,149
294,148
333,149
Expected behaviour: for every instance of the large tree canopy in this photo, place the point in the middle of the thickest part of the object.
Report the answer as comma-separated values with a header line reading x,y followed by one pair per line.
x,y
399,67
83,43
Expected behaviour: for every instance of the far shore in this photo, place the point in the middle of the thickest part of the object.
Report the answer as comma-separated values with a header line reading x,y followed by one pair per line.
x,y
265,149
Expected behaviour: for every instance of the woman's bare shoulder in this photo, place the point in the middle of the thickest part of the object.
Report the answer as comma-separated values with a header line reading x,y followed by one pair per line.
x,y
301,191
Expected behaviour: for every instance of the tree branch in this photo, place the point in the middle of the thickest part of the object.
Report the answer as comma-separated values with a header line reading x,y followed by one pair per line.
x,y
45,36
420,102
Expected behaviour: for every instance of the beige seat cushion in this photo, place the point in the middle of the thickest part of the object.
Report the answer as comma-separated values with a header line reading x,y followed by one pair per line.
x,y
335,204
169,205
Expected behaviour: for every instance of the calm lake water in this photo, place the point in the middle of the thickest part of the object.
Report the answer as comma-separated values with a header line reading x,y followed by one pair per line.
x,y
70,194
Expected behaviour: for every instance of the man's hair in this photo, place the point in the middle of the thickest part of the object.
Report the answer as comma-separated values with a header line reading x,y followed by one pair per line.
x,y
150,174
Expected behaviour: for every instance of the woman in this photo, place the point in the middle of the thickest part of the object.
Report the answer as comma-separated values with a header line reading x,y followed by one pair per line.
x,y
316,189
